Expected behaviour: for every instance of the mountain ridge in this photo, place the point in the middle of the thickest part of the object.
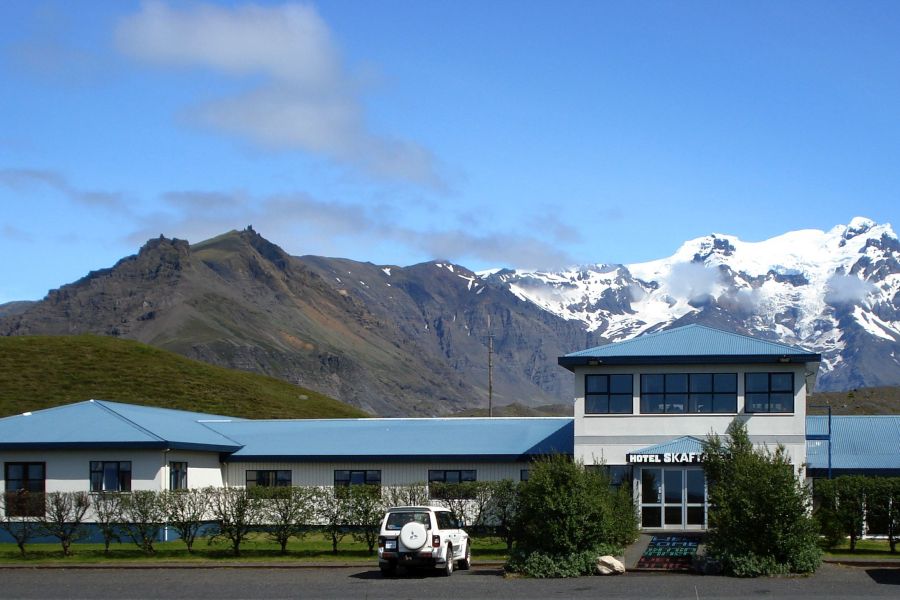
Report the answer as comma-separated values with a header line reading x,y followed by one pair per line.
x,y
413,340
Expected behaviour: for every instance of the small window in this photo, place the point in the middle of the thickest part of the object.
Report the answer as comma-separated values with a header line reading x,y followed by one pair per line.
x,y
446,520
346,477
25,487
110,475
608,394
268,478
619,475
769,392
178,472
448,483
396,520
523,474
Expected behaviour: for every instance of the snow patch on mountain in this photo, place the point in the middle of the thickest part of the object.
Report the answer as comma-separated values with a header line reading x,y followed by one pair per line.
x,y
806,287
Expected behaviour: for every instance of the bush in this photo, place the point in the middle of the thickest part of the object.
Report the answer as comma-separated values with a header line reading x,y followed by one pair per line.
x,y
541,565
108,516
365,513
235,511
185,511
65,517
566,517
143,514
759,509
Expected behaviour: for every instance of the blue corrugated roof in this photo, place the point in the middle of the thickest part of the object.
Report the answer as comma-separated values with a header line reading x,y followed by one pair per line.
x,y
97,423
858,443
400,439
691,343
685,444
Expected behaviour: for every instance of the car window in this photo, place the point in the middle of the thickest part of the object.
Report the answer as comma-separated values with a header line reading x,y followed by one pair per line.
x,y
396,520
446,520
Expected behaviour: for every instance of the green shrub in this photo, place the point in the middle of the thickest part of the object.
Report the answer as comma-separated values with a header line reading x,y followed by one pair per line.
x,y
566,515
759,509
544,566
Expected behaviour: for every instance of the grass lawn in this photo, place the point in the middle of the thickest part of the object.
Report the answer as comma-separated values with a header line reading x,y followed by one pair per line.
x,y
875,549
314,547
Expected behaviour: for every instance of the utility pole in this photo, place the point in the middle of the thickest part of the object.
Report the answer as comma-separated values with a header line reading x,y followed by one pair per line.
x,y
490,369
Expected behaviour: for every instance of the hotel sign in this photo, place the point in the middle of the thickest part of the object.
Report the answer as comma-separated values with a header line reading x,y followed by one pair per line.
x,y
670,458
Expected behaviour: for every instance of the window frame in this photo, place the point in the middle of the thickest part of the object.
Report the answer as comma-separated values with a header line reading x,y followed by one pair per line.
x,y
178,476
31,505
123,483
769,393
275,479
687,396
592,398
433,478
367,480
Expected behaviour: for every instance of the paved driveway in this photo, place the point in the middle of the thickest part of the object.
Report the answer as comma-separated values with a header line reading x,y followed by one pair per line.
x,y
221,584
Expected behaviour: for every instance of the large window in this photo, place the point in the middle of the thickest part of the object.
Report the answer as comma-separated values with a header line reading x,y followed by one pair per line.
x,y
608,394
268,478
444,483
347,478
178,475
110,475
25,486
769,392
689,393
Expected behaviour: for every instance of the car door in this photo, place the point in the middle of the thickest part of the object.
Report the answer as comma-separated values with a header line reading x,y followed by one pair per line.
x,y
449,526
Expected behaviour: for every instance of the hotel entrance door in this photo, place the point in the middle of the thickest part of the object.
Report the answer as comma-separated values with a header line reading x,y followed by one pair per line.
x,y
673,498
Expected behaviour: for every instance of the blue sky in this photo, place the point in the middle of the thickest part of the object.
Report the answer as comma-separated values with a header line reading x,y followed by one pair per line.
x,y
505,133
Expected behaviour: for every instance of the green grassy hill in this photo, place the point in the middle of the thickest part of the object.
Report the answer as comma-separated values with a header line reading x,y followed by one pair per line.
x,y
42,371
862,401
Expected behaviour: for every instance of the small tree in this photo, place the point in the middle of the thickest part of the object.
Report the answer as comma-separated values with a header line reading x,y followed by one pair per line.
x,y
20,513
235,512
286,512
884,507
185,512
415,494
841,508
567,516
366,512
64,519
143,514
759,508
504,509
108,516
334,512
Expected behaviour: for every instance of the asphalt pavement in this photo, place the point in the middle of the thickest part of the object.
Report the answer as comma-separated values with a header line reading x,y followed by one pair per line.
x,y
831,581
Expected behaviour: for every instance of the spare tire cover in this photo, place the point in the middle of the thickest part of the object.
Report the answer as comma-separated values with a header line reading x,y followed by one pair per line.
x,y
413,535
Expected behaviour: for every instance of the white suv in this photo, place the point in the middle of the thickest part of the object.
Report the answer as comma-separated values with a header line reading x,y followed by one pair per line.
x,y
422,536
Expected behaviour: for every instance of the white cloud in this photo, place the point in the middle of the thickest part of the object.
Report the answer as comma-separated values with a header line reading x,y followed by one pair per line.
x,y
303,96
303,224
21,179
693,281
847,289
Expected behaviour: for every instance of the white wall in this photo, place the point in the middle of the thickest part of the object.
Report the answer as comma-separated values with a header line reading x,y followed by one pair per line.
x,y
392,473
610,437
70,470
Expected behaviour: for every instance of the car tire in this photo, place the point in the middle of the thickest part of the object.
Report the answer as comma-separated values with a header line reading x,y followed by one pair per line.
x,y
448,564
466,563
413,535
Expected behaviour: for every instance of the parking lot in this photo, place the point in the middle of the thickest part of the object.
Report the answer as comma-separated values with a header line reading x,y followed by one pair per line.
x,y
832,581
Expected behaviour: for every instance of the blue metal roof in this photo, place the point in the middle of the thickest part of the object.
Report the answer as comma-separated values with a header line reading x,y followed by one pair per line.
x,y
97,424
859,444
469,439
689,344
685,444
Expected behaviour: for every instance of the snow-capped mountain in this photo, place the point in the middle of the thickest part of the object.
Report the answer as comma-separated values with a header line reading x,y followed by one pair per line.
x,y
835,292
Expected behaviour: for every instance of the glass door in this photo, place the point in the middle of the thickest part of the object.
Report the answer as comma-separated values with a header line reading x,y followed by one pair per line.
x,y
673,498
